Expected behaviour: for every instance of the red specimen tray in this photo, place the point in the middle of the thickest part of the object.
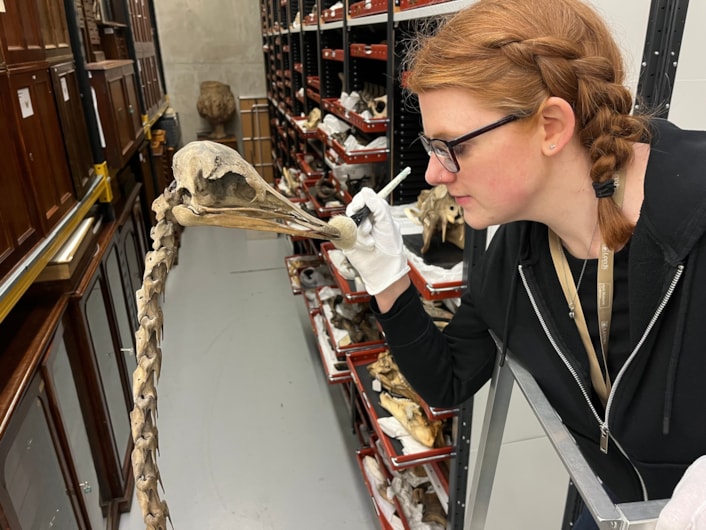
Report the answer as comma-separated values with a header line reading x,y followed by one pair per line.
x,y
297,263
373,125
299,126
392,447
347,287
412,4
306,168
313,95
340,155
434,291
311,20
341,351
331,54
314,81
321,209
369,51
360,456
333,375
367,7
332,15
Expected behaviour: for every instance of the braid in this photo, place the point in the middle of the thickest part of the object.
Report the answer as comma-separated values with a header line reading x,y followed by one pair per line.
x,y
608,131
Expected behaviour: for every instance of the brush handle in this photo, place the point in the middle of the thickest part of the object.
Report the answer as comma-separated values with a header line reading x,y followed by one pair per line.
x,y
360,215
364,212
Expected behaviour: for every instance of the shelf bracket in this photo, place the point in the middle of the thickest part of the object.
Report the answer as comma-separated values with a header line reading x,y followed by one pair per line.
x,y
106,193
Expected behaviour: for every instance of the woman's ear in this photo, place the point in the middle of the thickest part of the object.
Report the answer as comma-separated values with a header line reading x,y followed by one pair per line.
x,y
558,121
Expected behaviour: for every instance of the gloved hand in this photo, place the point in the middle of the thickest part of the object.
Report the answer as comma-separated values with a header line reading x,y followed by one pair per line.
x,y
686,510
378,254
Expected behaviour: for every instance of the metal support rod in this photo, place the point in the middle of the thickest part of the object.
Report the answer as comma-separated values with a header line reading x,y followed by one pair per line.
x,y
489,450
458,476
635,516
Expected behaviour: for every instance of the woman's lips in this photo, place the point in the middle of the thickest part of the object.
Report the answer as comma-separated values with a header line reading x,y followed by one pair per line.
x,y
462,199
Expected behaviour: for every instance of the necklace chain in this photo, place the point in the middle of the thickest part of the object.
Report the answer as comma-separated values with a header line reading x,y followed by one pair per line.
x,y
572,313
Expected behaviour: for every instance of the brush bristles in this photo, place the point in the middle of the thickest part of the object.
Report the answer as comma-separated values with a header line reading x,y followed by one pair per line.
x,y
348,229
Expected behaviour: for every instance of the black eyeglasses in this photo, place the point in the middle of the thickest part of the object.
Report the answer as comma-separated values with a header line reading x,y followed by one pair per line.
x,y
444,149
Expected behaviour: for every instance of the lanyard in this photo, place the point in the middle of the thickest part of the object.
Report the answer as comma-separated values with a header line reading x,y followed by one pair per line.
x,y
604,293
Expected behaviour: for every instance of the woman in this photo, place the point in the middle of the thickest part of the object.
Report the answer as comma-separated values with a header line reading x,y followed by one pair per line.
x,y
555,157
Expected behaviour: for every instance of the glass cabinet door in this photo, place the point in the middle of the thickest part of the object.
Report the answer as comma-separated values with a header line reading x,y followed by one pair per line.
x,y
64,386
108,364
135,263
32,474
122,313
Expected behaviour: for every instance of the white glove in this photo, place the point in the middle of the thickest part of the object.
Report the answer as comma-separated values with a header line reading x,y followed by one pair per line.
x,y
686,510
378,254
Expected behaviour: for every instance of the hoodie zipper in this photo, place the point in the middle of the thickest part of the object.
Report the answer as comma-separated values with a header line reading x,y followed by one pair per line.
x,y
603,424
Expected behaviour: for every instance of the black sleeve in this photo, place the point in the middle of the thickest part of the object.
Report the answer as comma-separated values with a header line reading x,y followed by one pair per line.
x,y
445,368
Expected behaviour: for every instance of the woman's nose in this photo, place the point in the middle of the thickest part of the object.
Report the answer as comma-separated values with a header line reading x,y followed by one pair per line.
x,y
437,174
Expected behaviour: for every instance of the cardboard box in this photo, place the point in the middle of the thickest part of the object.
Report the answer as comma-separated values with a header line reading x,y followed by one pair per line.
x,y
257,151
254,118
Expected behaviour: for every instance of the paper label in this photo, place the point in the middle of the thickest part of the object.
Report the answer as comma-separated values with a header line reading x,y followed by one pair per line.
x,y
25,102
2,6
64,89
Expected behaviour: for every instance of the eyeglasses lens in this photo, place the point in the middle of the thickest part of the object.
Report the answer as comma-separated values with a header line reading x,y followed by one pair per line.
x,y
441,151
443,154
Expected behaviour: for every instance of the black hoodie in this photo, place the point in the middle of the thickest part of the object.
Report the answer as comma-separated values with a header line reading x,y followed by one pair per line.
x,y
655,418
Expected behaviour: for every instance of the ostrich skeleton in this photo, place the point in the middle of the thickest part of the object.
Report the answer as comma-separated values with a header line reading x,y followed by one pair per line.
x,y
213,185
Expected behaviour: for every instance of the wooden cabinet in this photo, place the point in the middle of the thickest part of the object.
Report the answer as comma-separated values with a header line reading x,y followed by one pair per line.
x,y
38,124
35,494
96,351
34,31
118,109
61,389
47,476
73,125
54,30
19,224
101,323
21,32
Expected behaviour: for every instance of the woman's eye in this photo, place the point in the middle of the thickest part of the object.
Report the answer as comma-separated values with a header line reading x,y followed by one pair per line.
x,y
461,149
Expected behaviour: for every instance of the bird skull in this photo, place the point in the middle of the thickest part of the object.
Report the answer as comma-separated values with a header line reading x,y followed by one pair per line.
x,y
216,186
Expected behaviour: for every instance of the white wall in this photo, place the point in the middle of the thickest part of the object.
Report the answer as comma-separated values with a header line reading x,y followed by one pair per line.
x,y
209,40
688,106
628,21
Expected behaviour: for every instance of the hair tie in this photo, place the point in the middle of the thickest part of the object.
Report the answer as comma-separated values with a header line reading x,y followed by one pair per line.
x,y
604,189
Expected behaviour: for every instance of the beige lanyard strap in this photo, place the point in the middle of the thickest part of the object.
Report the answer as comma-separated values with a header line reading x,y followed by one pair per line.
x,y
600,385
604,302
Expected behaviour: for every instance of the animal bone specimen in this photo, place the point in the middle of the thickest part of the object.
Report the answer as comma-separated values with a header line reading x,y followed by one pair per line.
x,y
437,211
412,418
356,319
433,512
213,186
386,371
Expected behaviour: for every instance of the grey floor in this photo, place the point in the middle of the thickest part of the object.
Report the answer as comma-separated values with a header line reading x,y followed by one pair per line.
x,y
251,435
